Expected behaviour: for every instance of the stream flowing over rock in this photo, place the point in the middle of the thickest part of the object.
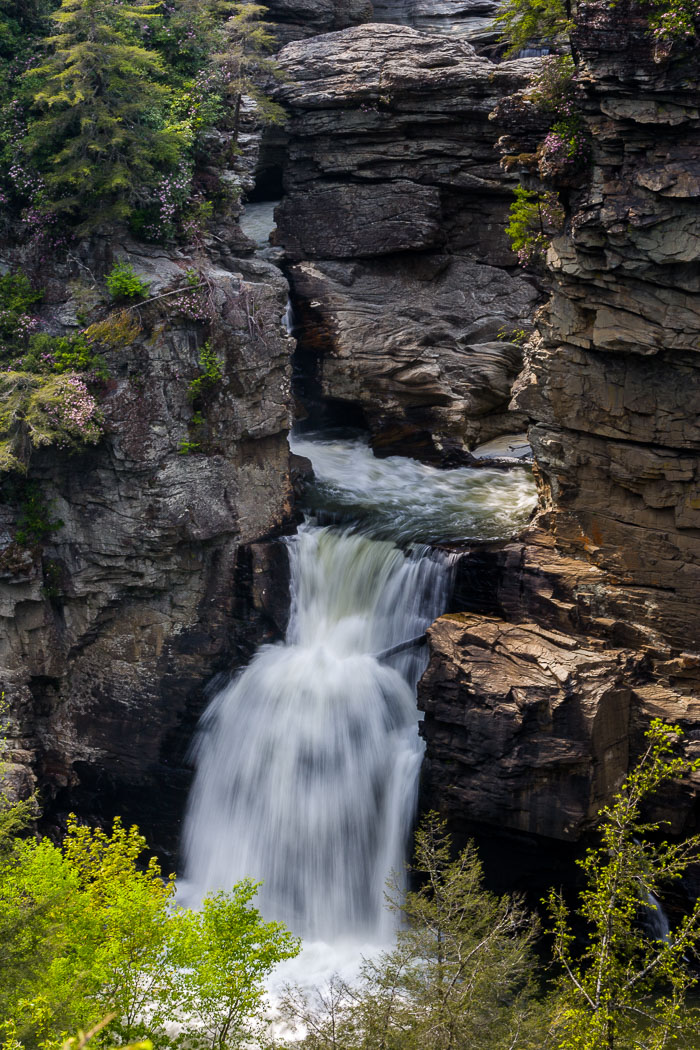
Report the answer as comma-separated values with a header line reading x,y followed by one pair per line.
x,y
413,323
394,209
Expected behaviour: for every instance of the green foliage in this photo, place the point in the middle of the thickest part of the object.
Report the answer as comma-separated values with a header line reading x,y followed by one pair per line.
x,y
625,981
89,932
123,283
459,975
672,20
533,218
36,411
243,63
524,22
234,950
99,135
17,297
58,354
210,376
186,448
35,523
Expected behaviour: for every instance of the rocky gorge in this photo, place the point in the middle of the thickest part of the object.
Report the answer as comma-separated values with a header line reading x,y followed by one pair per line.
x,y
411,315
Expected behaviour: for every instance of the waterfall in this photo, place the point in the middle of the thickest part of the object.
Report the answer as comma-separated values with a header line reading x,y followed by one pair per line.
x,y
655,918
308,761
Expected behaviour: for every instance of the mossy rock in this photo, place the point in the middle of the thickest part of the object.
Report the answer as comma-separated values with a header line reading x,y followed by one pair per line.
x,y
36,411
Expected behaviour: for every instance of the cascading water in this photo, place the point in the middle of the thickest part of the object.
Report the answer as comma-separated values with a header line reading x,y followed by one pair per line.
x,y
308,761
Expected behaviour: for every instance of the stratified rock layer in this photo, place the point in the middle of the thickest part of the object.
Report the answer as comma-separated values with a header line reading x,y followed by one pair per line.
x,y
298,19
394,216
612,390
531,726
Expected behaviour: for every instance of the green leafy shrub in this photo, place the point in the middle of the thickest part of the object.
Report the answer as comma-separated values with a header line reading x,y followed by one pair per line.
x,y
533,219
17,296
621,985
58,354
34,521
123,283
186,448
566,148
210,376
89,932
524,22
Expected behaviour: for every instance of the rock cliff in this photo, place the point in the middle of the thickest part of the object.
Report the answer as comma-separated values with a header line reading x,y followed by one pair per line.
x,y
613,562
393,218
470,19
154,581
298,19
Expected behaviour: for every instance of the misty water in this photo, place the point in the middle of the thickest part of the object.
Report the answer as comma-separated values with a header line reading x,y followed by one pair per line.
x,y
307,762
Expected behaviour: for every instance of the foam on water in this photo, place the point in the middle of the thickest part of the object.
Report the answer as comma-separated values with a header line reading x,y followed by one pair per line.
x,y
307,762
403,499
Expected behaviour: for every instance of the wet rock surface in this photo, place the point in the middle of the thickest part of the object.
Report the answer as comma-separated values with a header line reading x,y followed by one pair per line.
x,y
393,215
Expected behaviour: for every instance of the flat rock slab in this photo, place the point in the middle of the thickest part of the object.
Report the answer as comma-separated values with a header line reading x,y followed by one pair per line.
x,y
526,729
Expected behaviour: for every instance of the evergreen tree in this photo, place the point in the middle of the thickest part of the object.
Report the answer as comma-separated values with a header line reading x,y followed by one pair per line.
x,y
100,137
244,64
526,22
458,977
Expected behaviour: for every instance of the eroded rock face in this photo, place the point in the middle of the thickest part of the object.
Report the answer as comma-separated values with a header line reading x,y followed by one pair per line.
x,y
154,581
613,562
298,19
528,729
470,19
614,384
418,346
394,214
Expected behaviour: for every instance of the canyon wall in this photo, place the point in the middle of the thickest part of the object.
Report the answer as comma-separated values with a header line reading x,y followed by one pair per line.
x,y
534,711
393,219
114,623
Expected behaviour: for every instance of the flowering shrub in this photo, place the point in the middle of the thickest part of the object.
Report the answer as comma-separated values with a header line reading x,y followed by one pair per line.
x,y
564,151
566,147
193,302
57,354
17,297
159,220
672,20
36,411
533,219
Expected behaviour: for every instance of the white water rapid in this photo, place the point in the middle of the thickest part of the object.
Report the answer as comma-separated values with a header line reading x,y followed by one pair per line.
x,y
308,761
